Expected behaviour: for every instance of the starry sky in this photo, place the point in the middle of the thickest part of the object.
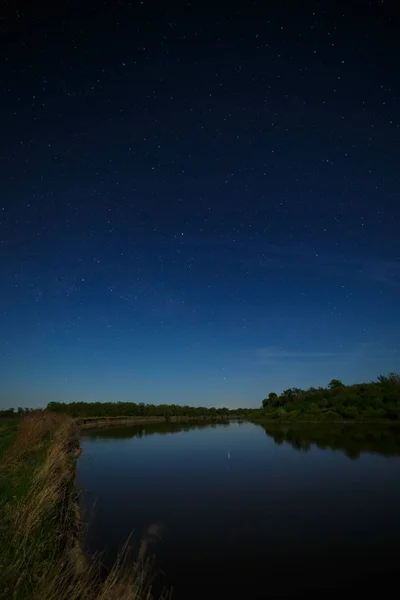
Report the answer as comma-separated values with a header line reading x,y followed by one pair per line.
x,y
199,201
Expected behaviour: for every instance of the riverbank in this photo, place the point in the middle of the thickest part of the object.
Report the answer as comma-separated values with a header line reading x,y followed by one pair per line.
x,y
41,532
264,419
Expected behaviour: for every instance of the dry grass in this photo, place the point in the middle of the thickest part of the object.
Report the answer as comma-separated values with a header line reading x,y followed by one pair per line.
x,y
51,482
41,557
33,431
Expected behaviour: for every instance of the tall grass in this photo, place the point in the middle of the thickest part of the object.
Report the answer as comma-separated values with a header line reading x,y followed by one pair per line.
x,y
8,433
33,431
40,551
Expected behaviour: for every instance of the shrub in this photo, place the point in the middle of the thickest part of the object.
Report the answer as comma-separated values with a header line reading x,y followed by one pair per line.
x,y
281,413
371,413
293,414
350,412
392,412
331,415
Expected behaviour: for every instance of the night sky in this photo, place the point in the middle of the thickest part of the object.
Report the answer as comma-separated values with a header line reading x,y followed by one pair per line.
x,y
199,201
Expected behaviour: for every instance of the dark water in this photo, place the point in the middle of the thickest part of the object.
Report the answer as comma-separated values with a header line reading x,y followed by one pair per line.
x,y
249,511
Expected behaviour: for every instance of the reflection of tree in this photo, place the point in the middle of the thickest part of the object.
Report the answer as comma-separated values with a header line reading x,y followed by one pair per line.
x,y
353,454
353,439
279,438
300,444
144,430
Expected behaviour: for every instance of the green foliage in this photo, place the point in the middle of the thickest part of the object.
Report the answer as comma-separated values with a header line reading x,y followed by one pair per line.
x,y
132,409
331,415
335,383
351,412
293,414
393,411
271,400
7,413
363,401
391,379
8,433
371,413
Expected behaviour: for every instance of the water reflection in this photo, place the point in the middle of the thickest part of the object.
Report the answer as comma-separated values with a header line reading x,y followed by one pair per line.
x,y
139,430
352,439
243,505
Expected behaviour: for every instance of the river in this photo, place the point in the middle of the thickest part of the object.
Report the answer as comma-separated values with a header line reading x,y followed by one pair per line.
x,y
247,510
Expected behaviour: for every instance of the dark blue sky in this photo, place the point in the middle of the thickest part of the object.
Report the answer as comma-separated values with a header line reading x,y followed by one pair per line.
x,y
199,203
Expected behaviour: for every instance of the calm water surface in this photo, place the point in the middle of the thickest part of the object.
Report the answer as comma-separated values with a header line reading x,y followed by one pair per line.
x,y
248,510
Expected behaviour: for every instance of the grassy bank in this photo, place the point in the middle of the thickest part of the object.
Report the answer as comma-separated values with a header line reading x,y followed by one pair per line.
x,y
40,556
8,434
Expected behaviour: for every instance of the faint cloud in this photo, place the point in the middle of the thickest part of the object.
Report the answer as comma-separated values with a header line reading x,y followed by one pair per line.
x,y
266,256
366,268
365,351
275,354
383,271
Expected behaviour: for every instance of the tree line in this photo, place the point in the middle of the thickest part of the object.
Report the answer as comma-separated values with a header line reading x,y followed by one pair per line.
x,y
376,400
133,409
362,401
11,413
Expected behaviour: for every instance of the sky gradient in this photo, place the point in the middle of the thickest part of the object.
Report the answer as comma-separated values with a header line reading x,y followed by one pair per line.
x,y
198,204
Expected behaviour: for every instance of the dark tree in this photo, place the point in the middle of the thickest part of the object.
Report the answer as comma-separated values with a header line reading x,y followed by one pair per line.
x,y
334,384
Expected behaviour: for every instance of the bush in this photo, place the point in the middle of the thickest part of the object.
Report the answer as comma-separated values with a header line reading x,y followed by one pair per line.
x,y
392,412
351,412
281,413
331,415
374,400
293,414
371,413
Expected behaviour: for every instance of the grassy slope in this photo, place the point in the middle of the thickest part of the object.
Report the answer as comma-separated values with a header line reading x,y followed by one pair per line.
x,y
35,476
39,553
8,434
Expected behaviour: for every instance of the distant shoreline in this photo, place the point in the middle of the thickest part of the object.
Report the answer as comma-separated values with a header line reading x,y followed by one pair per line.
x,y
85,423
99,422
315,422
